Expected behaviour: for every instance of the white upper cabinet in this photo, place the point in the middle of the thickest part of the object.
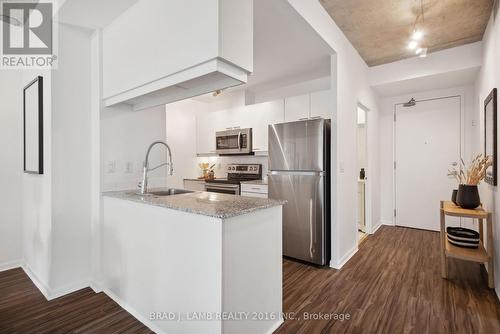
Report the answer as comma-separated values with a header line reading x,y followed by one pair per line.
x,y
297,107
322,104
159,51
205,133
315,104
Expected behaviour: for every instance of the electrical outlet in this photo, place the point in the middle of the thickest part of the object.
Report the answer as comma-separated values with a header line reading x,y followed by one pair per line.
x,y
111,167
341,167
129,167
473,122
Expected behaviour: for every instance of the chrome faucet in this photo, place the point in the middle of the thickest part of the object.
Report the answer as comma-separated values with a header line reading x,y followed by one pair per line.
x,y
144,183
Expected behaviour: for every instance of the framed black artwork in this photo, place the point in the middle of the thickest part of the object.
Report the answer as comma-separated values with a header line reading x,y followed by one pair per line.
x,y
33,126
490,135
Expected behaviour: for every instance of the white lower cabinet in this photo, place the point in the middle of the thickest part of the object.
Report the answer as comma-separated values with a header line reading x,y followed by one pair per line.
x,y
254,190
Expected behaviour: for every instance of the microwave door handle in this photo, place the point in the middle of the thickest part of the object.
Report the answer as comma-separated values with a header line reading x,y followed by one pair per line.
x,y
239,140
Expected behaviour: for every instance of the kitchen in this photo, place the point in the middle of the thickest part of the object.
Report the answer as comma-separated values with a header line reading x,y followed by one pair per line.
x,y
204,162
229,130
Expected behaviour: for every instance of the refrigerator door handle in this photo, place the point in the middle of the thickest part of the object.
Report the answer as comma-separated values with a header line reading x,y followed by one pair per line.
x,y
311,226
285,172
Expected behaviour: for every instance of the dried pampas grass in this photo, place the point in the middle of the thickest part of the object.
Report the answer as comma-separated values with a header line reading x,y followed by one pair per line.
x,y
475,173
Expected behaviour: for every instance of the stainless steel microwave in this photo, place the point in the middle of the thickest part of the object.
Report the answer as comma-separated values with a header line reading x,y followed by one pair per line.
x,y
233,142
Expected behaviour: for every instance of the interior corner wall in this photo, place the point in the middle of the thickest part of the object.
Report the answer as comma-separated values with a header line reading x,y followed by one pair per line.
x,y
11,175
350,79
71,161
489,78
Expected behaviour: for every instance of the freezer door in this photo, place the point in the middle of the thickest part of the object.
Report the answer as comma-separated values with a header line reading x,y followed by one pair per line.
x,y
297,145
304,234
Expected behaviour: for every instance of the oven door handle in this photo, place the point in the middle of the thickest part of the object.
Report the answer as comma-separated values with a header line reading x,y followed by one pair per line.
x,y
239,140
235,186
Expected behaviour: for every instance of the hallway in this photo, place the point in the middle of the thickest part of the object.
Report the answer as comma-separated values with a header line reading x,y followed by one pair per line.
x,y
392,285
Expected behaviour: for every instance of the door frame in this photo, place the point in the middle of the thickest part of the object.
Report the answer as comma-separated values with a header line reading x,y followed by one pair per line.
x,y
461,97
368,192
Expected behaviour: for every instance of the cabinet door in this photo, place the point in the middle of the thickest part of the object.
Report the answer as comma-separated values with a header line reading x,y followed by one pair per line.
x,y
264,114
322,104
297,107
248,194
205,133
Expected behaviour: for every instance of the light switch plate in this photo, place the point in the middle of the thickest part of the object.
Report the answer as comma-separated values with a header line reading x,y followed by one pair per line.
x,y
111,167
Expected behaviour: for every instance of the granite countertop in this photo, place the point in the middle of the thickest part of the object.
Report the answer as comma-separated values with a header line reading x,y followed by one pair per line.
x,y
259,182
202,203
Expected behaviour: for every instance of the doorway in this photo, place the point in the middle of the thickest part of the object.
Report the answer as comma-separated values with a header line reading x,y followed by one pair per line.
x,y
427,140
362,168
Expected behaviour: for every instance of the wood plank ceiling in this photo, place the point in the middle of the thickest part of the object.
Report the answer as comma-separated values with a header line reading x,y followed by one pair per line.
x,y
381,29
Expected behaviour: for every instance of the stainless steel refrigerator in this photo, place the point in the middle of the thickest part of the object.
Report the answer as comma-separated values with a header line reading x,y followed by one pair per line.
x,y
299,172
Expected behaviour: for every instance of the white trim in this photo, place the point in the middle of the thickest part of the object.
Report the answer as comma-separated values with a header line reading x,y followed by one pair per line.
x,y
275,327
148,323
387,222
69,288
375,229
10,265
49,293
345,258
39,283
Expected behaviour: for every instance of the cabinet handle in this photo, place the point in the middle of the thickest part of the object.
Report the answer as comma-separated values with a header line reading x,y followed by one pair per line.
x,y
303,119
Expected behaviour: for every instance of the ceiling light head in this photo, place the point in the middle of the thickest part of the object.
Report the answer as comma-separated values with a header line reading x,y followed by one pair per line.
x,y
423,53
417,35
412,45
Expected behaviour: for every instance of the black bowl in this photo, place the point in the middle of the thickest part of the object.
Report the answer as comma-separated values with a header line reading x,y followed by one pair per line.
x,y
462,237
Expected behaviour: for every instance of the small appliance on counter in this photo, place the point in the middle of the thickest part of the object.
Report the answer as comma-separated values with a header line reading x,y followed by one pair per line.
x,y
234,142
236,173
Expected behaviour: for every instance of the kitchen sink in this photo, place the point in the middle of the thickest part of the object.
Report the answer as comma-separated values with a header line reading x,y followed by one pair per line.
x,y
167,192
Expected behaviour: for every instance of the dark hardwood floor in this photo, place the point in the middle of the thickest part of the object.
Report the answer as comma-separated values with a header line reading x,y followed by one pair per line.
x,y
392,285
24,310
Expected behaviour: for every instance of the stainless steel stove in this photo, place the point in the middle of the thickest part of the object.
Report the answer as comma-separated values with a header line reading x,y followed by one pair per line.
x,y
235,174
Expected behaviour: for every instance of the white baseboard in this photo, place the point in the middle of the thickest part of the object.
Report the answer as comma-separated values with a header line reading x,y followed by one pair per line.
x,y
64,290
146,322
39,283
344,258
49,293
375,229
387,222
275,327
11,265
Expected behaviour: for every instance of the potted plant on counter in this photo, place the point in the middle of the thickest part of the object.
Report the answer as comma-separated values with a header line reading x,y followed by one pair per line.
x,y
468,194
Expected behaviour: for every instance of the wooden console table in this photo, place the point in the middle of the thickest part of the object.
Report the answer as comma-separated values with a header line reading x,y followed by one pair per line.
x,y
479,254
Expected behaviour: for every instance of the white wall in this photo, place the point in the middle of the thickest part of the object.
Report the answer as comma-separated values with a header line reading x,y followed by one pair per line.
x,y
489,78
71,160
350,80
11,160
37,197
469,136
125,138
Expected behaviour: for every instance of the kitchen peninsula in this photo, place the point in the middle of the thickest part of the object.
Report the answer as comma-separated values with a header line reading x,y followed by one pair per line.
x,y
194,262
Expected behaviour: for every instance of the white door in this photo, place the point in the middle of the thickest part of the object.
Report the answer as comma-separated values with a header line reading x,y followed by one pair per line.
x,y
427,144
